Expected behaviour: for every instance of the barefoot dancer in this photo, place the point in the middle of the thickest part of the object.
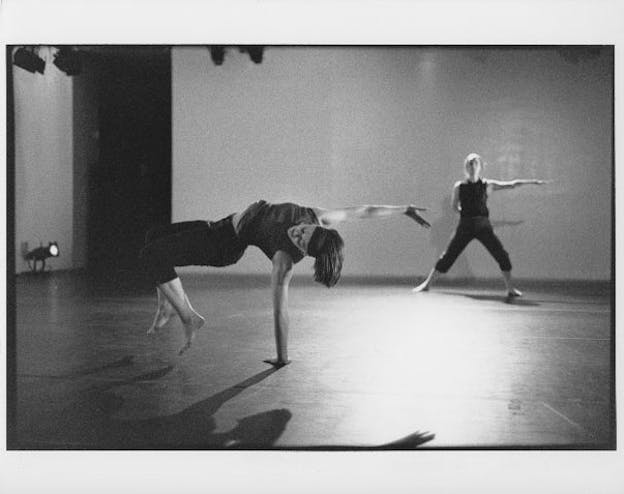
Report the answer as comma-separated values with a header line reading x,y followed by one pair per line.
x,y
469,199
284,232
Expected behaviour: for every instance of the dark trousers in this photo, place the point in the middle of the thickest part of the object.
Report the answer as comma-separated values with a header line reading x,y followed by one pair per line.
x,y
189,243
468,229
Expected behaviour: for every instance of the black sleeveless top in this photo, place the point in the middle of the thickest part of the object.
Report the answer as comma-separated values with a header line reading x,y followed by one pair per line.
x,y
473,199
266,225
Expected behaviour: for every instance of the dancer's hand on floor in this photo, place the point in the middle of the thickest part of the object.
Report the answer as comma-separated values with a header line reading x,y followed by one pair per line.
x,y
276,362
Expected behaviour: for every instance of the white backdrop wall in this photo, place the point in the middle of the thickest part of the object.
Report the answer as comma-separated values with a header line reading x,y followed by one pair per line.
x,y
342,126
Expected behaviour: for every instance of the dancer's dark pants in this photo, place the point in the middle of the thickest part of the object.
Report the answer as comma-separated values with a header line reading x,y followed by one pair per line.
x,y
199,243
468,229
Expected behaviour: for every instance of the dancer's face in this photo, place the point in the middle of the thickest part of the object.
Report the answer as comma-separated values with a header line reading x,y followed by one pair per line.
x,y
300,236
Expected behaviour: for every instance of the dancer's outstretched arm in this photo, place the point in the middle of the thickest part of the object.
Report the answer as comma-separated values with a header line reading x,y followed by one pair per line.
x,y
280,280
512,184
331,217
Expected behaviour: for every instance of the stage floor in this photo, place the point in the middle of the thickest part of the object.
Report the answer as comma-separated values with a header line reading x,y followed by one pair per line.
x,y
373,366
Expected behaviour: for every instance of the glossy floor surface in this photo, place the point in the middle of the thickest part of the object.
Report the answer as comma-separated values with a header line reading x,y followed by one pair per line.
x,y
373,366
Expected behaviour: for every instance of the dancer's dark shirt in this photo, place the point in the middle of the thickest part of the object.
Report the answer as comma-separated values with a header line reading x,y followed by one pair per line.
x,y
473,199
266,225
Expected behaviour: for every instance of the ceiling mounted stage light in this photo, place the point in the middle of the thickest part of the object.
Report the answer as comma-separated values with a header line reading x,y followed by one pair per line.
x,y
27,59
40,254
217,53
255,52
68,60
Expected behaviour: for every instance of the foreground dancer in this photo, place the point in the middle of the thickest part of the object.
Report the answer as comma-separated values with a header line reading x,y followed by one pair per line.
x,y
284,232
470,201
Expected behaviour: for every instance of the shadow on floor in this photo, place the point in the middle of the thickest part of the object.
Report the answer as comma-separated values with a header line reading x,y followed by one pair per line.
x,y
122,362
494,298
88,423
194,427
504,299
411,441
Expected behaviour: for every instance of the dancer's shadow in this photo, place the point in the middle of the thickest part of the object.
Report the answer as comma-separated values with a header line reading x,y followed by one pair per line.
x,y
122,362
502,298
194,427
411,441
493,298
499,223
89,422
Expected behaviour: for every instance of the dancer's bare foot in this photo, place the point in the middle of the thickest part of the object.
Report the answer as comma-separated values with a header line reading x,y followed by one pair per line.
x,y
193,325
164,313
423,287
513,293
277,362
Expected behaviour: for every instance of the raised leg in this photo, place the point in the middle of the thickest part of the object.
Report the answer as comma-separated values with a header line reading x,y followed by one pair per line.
x,y
164,313
191,320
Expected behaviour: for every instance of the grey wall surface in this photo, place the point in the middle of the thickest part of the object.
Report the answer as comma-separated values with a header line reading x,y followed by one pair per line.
x,y
342,126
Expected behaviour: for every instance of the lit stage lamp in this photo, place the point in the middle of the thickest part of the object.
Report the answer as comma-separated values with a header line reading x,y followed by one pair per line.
x,y
40,254
28,60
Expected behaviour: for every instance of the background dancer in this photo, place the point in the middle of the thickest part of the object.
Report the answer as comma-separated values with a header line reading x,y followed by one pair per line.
x,y
469,199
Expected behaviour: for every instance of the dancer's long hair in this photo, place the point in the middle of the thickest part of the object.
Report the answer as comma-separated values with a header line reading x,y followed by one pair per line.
x,y
328,263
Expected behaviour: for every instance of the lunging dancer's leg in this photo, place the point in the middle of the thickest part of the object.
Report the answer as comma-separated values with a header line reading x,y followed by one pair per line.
x,y
460,240
511,290
179,244
495,247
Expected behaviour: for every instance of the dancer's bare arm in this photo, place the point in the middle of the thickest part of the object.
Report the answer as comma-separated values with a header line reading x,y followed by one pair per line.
x,y
280,280
455,204
512,184
331,217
